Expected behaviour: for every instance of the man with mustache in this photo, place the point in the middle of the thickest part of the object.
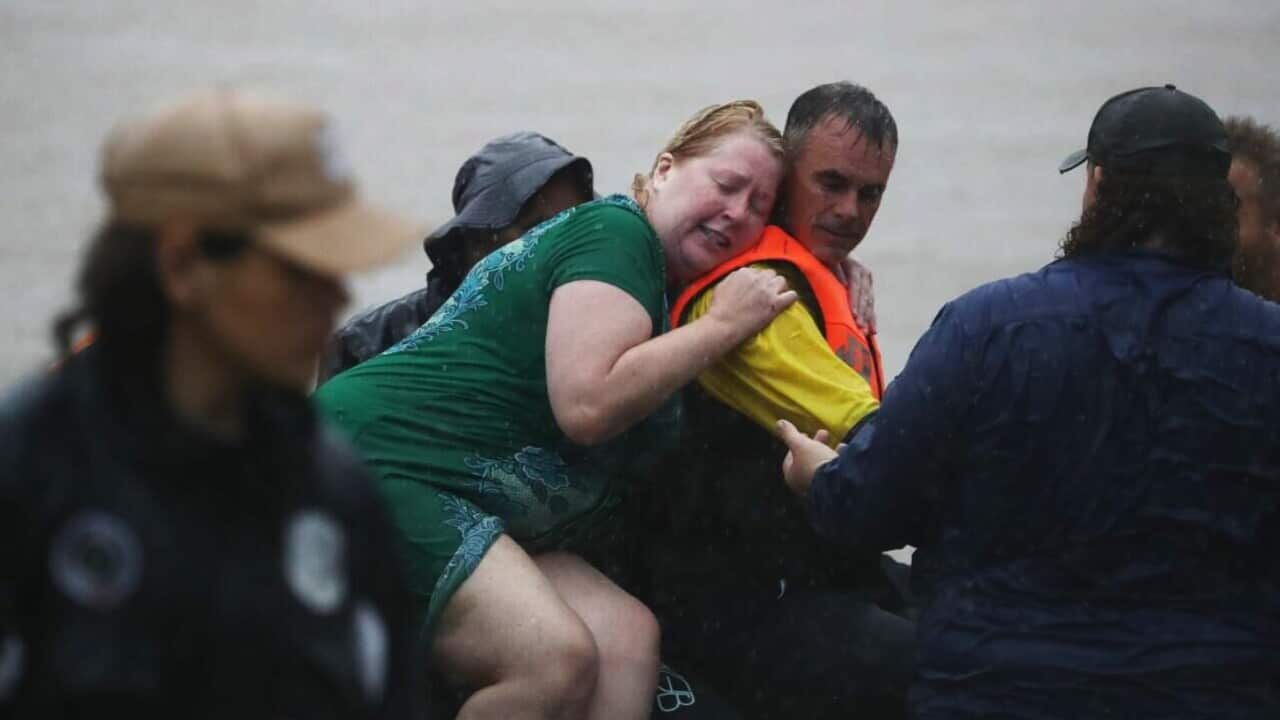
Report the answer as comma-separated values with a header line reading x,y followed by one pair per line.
x,y
748,596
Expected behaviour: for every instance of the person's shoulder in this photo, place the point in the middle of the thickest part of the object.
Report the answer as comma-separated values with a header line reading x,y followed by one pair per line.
x,y
33,413
338,469
610,213
1251,316
612,205
20,402
612,231
1017,296
409,305
796,280
40,395
366,334
1268,310
789,271
370,333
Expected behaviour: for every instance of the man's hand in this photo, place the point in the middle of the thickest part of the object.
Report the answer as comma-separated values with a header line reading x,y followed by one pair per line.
x,y
804,456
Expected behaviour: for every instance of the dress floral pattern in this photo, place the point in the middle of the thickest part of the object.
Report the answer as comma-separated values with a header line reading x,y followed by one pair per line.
x,y
456,419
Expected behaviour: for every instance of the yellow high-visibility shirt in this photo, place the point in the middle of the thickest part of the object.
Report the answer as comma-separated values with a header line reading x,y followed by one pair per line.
x,y
788,371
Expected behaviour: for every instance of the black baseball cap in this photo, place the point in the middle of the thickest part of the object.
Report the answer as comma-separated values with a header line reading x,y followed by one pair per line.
x,y
493,184
1156,131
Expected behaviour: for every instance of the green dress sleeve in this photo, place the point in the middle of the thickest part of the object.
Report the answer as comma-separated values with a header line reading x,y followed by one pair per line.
x,y
614,244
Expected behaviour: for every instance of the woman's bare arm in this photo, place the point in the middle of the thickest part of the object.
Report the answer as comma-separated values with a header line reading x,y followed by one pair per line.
x,y
605,373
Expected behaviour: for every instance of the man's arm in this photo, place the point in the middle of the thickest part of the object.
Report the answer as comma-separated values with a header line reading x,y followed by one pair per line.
x,y
788,371
884,489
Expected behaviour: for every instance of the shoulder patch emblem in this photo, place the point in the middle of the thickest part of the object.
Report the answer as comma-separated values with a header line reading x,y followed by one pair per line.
x,y
315,562
95,559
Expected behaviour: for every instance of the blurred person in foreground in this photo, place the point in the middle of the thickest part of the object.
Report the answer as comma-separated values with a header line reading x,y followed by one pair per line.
x,y
1255,175
479,424
1087,457
179,537
510,185
748,595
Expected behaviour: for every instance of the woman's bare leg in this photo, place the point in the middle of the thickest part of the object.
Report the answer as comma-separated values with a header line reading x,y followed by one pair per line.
x,y
625,632
507,633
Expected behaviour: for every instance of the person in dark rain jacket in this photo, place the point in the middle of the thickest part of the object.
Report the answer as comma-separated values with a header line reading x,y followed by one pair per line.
x,y
510,185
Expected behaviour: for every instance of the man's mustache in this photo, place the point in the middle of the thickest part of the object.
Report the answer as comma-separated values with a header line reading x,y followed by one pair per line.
x,y
853,230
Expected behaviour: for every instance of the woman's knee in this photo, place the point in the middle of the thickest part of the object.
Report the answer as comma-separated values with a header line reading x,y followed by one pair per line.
x,y
623,626
566,666
506,629
635,637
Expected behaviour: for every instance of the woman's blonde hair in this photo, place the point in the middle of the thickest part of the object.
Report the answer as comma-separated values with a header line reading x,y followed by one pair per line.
x,y
700,134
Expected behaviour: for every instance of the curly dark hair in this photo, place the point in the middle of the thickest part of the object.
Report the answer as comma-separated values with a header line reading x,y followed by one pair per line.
x,y
1193,217
1258,145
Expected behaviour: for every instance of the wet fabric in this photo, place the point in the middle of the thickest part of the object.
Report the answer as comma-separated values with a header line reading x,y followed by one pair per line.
x,y
455,420
1088,461
370,333
828,292
150,570
787,370
749,597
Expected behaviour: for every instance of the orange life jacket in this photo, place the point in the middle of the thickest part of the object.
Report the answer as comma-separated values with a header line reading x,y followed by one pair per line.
x,y
848,342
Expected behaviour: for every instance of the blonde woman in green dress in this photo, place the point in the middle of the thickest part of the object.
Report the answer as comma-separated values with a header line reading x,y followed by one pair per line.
x,y
476,425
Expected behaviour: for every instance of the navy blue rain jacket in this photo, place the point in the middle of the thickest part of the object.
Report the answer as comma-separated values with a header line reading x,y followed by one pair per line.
x,y
1088,460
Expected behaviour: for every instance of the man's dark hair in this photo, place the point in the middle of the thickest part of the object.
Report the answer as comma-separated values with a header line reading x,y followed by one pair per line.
x,y
1193,218
854,104
1258,145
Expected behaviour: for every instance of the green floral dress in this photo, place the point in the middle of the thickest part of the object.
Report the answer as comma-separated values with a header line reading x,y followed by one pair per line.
x,y
455,420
